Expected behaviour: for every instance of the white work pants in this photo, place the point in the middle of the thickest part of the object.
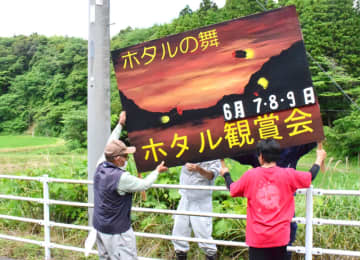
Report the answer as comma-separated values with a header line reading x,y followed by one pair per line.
x,y
202,226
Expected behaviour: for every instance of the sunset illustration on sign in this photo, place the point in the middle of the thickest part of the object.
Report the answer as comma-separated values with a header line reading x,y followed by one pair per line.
x,y
187,82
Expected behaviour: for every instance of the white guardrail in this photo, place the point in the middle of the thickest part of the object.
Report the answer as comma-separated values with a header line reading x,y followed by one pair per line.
x,y
309,221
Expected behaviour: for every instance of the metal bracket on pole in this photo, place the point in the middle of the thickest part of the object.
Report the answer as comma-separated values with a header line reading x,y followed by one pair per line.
x,y
299,220
318,192
317,221
317,251
299,250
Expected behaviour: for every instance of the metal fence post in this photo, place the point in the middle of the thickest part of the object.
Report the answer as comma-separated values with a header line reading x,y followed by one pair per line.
x,y
309,227
46,217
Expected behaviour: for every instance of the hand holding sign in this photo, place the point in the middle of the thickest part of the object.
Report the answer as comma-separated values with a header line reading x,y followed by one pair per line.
x,y
223,169
192,167
161,167
320,156
122,118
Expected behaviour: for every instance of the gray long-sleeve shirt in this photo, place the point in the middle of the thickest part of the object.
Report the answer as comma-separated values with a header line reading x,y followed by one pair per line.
x,y
128,182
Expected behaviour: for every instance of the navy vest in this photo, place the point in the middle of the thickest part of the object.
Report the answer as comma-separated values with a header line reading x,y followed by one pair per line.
x,y
111,210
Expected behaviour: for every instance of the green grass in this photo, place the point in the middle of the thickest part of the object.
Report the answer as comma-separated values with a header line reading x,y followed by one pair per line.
x,y
16,141
44,156
59,162
26,160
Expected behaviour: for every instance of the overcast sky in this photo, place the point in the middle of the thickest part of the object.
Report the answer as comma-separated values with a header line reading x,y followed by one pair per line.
x,y
70,17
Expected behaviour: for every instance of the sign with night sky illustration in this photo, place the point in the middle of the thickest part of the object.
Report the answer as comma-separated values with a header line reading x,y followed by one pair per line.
x,y
214,92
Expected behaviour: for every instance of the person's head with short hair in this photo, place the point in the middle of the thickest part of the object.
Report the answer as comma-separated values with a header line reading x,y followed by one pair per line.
x,y
117,152
269,149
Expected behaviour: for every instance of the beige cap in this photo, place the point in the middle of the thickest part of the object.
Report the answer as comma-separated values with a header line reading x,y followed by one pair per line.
x,y
117,147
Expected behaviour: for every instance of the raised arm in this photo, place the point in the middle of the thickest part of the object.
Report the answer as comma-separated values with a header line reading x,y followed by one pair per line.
x,y
224,171
130,183
320,157
115,134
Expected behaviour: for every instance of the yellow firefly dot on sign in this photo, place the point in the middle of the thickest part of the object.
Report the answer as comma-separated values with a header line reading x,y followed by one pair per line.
x,y
165,119
263,82
249,53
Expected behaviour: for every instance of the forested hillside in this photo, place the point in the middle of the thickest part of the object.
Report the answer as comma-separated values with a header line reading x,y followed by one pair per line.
x,y
43,80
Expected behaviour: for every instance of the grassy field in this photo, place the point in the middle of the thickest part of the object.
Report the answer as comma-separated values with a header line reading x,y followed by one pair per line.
x,y
35,156
59,162
15,141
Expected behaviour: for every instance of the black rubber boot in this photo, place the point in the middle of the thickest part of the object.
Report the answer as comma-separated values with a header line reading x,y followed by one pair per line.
x,y
181,255
210,257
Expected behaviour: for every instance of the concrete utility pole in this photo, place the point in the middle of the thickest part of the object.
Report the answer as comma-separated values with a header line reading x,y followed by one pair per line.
x,y
98,126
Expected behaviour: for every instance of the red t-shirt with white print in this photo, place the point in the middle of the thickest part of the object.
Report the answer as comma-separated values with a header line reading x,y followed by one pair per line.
x,y
270,205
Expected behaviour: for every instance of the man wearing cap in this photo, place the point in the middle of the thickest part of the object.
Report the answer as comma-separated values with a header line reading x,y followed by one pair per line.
x,y
203,173
113,188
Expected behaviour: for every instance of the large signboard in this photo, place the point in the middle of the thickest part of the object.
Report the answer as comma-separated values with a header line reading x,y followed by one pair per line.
x,y
215,91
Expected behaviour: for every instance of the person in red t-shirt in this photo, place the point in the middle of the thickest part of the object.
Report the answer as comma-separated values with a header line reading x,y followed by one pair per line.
x,y
269,190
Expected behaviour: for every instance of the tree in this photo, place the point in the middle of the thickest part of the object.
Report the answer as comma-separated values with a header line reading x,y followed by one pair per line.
x,y
333,102
75,123
207,5
344,138
186,11
332,29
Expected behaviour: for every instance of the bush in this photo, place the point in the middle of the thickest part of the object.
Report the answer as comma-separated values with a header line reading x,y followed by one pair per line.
x,y
75,124
77,169
16,125
344,138
49,121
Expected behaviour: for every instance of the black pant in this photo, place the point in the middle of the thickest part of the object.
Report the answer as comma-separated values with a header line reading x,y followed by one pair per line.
x,y
293,228
270,253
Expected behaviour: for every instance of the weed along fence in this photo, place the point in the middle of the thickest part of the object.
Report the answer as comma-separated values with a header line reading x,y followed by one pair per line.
x,y
308,221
